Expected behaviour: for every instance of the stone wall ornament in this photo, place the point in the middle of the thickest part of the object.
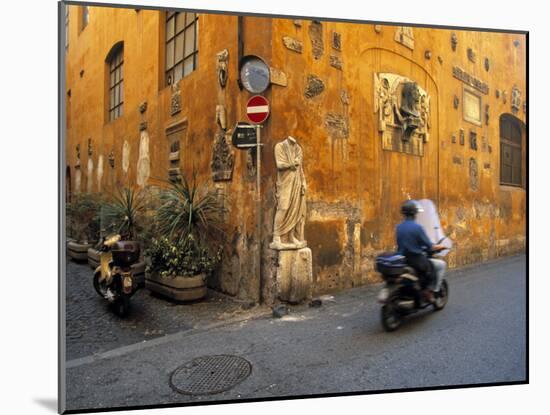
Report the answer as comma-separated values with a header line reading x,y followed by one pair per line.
x,y
335,62
125,156
292,44
471,80
222,159
378,28
497,93
222,59
143,107
454,41
336,40
516,99
474,178
316,37
428,54
175,100
290,214
278,77
403,111
487,64
144,160
453,139
99,172
221,117
504,97
90,175
337,125
405,36
112,159
473,140
440,60
486,114
461,136
314,86
90,151
471,55
456,102
297,23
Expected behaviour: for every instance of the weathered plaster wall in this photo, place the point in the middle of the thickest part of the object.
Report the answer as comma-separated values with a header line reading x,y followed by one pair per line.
x,y
355,187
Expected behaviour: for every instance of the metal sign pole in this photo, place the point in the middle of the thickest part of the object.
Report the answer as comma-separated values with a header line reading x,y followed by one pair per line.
x,y
258,207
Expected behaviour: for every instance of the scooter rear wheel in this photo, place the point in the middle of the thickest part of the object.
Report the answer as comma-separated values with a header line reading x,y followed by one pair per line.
x,y
122,306
100,286
390,317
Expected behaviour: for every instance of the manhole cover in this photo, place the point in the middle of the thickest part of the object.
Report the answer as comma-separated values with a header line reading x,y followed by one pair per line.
x,y
210,374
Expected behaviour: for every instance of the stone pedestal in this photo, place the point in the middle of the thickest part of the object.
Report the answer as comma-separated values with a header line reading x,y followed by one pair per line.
x,y
294,275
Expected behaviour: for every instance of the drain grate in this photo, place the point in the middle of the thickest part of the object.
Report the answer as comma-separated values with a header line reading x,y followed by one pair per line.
x,y
209,375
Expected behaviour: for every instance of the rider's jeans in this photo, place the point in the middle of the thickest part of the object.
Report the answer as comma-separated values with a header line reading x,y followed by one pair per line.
x,y
439,266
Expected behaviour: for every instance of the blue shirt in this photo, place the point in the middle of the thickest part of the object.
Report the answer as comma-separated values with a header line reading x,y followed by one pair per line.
x,y
411,238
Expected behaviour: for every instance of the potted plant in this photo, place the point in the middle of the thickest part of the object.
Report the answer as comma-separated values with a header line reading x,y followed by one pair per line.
x,y
190,222
179,269
82,224
124,215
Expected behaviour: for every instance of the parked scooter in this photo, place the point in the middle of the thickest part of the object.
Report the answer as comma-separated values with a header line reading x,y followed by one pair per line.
x,y
113,279
402,294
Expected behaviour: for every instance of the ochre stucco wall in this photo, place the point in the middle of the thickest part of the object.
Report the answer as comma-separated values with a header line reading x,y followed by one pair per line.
x,y
355,187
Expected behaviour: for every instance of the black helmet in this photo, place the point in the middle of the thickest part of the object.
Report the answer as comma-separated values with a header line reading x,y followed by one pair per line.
x,y
410,208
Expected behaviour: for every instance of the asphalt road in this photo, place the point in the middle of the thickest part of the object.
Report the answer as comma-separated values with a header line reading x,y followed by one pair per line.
x,y
480,337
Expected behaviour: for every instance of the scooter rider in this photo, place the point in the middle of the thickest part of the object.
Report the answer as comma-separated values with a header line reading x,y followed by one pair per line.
x,y
413,243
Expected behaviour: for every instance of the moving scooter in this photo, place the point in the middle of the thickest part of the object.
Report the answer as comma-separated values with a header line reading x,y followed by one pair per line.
x,y
113,278
402,294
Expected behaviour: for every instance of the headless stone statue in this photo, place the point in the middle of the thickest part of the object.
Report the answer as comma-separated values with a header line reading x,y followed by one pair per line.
x,y
288,228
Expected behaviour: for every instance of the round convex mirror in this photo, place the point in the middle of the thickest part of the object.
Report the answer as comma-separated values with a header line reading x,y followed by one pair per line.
x,y
254,74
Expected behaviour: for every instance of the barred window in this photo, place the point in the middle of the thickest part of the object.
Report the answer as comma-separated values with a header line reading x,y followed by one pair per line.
x,y
115,64
181,45
510,151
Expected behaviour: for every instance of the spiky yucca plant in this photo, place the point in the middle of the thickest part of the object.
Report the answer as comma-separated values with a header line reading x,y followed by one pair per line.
x,y
188,208
125,210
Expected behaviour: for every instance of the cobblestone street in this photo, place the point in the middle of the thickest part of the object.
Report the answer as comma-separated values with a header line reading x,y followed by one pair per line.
x,y
92,327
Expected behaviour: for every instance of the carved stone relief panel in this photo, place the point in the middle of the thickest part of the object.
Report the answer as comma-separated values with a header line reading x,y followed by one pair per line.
x,y
314,86
125,156
474,174
292,44
222,58
99,172
316,37
471,55
336,62
405,36
403,110
471,106
337,125
175,100
222,159
221,117
454,41
278,77
336,40
144,161
516,99
473,140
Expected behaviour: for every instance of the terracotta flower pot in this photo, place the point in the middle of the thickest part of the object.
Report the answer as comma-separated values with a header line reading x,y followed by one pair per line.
x,y
178,288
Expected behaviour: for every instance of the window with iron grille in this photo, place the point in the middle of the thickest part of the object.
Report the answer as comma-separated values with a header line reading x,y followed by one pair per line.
x,y
510,151
116,77
181,45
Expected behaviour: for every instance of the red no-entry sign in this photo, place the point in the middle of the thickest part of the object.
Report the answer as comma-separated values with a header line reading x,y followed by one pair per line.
x,y
257,109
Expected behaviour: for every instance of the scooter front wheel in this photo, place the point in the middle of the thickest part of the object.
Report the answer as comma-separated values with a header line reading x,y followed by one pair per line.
x,y
391,318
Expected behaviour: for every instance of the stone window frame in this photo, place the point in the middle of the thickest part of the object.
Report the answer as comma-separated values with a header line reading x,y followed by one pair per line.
x,y
471,92
513,144
180,29
115,81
